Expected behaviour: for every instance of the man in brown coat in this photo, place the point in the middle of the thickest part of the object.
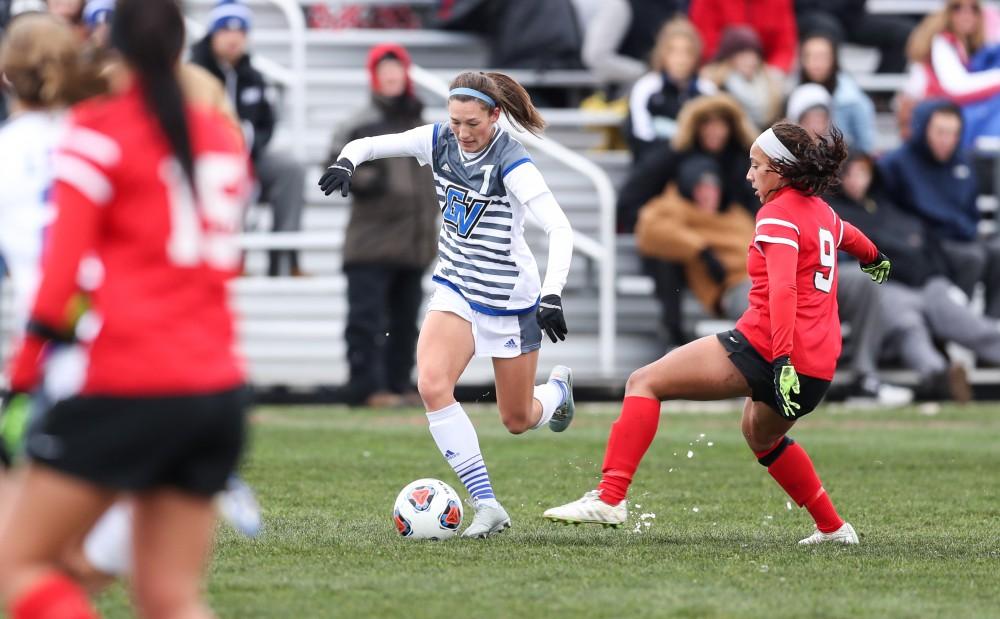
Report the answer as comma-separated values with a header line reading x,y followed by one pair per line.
x,y
689,224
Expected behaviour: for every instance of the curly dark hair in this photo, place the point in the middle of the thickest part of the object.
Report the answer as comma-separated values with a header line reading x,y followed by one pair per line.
x,y
819,160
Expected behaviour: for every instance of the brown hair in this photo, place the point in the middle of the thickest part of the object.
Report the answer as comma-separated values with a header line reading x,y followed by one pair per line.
x,y
918,47
41,59
700,110
676,27
819,159
510,97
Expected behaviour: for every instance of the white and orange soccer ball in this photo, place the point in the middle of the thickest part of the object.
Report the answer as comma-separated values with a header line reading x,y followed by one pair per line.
x,y
427,509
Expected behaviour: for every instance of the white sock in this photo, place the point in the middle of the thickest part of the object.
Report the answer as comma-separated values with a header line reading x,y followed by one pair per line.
x,y
108,546
456,438
551,395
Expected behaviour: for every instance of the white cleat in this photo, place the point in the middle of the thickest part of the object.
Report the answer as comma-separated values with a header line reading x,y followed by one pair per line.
x,y
589,509
488,520
564,414
844,535
239,507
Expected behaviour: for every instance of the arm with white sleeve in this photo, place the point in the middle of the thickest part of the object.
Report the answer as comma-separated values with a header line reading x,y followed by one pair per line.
x,y
417,143
526,184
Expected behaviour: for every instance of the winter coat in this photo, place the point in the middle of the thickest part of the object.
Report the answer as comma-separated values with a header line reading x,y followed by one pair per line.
x,y
394,215
942,194
654,106
773,20
673,228
249,89
762,97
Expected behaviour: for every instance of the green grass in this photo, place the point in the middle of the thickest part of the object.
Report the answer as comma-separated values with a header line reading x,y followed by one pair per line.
x,y
921,490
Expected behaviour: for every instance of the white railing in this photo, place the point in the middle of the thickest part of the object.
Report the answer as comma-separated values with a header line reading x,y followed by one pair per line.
x,y
603,250
292,78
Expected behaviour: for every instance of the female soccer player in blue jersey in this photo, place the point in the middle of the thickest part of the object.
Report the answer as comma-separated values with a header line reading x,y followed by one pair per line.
x,y
489,300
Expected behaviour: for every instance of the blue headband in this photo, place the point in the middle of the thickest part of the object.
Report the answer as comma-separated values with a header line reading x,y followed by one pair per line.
x,y
471,92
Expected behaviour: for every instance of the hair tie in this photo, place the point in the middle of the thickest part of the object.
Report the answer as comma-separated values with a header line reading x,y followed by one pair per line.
x,y
472,92
773,147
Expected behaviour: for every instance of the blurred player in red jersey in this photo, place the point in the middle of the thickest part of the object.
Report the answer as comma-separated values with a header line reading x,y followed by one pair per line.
x,y
783,352
154,190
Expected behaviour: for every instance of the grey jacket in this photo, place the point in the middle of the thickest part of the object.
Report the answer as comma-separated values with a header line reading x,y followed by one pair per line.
x,y
394,216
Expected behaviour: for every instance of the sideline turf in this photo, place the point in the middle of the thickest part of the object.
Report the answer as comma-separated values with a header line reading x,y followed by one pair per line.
x,y
921,490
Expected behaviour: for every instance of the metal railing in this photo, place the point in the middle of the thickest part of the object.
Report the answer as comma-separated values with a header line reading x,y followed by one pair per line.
x,y
292,78
601,251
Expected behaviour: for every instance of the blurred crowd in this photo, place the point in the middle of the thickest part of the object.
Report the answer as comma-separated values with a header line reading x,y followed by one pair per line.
x,y
696,82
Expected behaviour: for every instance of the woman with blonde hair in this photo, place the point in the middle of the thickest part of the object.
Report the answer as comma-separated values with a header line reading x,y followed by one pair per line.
x,y
658,96
942,48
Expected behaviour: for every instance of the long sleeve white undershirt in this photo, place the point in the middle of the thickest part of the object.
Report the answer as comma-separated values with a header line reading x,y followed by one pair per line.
x,y
953,75
525,183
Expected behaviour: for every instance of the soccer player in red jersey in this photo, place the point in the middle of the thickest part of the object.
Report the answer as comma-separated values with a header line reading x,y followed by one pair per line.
x,y
154,189
783,352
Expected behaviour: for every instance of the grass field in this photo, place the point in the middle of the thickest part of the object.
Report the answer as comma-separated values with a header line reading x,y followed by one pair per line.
x,y
922,490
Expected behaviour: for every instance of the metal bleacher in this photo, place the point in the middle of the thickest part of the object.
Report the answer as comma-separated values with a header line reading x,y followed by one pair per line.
x,y
292,328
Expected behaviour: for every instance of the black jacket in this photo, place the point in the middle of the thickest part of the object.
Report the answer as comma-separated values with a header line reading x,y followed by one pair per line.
x,y
252,106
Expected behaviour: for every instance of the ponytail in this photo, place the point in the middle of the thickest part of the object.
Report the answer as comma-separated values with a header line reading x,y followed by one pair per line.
x,y
150,35
510,97
817,168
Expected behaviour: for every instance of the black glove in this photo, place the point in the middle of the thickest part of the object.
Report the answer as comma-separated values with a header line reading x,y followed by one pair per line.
x,y
338,176
550,317
716,270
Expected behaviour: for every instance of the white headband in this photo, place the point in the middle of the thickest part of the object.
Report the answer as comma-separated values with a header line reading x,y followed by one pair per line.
x,y
773,148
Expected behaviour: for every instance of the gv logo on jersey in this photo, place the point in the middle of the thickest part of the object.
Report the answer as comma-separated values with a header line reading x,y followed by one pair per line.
x,y
461,213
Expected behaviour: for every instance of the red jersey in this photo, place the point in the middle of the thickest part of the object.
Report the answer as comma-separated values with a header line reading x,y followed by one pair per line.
x,y
793,272
163,308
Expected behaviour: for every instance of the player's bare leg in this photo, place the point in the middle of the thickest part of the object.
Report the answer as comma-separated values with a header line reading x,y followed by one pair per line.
x,y
50,510
515,382
789,464
700,370
173,539
444,350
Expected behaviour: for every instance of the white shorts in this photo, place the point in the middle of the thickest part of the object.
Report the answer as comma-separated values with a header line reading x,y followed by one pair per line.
x,y
495,336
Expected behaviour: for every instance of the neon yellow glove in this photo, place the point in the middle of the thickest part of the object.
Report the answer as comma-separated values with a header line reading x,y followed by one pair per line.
x,y
878,268
786,384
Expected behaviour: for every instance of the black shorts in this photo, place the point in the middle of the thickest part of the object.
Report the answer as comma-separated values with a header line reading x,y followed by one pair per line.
x,y
759,373
190,443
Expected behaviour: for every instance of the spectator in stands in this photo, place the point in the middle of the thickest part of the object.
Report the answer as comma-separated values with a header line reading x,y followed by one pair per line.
x,y
931,177
223,52
943,48
739,69
809,105
772,20
97,19
391,240
853,111
618,36
657,98
691,225
921,307
847,20
715,126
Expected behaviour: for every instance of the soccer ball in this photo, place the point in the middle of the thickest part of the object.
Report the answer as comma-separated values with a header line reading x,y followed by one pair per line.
x,y
427,509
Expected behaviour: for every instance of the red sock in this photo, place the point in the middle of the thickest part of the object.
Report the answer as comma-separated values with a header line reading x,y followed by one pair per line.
x,y
630,437
791,467
53,597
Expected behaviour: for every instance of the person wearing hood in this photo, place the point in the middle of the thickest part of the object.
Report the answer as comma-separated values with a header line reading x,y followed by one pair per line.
x,y
739,70
931,177
921,306
690,224
853,111
390,241
223,52
809,105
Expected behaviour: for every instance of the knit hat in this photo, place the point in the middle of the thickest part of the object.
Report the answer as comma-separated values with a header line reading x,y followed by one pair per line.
x,y
389,50
97,12
805,98
695,170
230,15
736,39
